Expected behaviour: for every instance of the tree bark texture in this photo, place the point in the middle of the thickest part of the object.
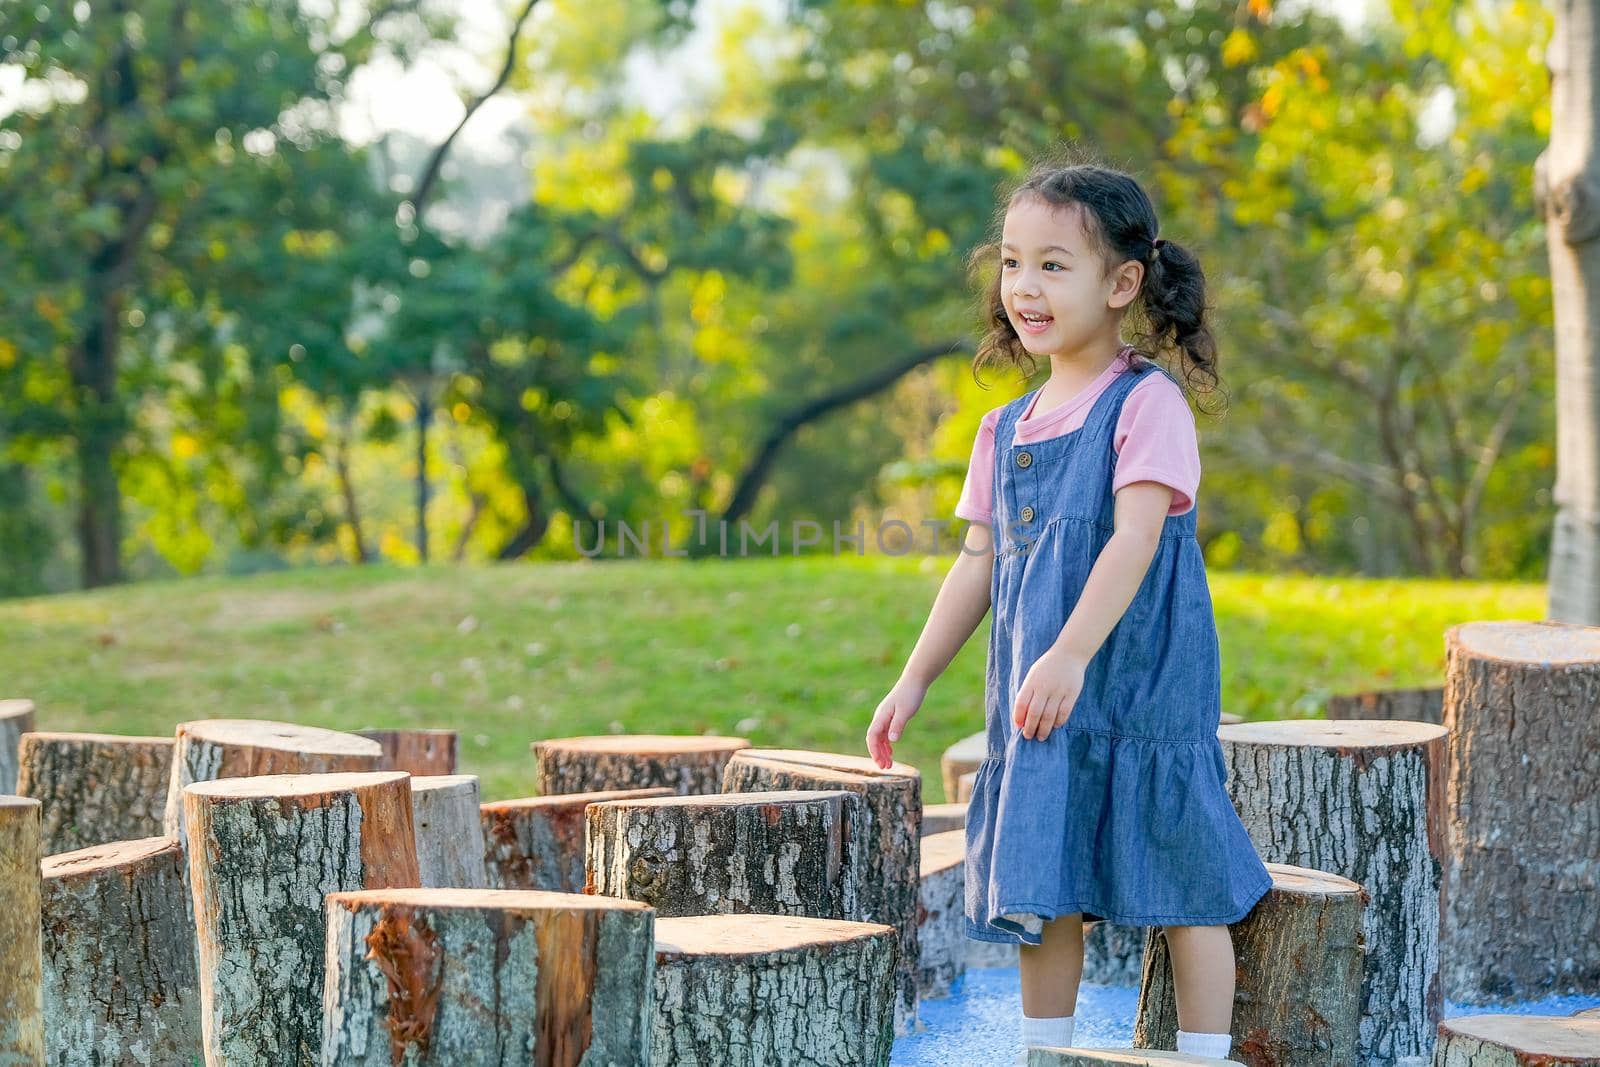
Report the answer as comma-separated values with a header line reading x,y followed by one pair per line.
x,y
421,753
942,818
450,848
1298,987
772,991
941,934
538,842
16,719
487,978
21,980
1116,1057
119,957
1412,705
1522,879
263,853
1363,799
1113,954
95,788
1518,1041
688,764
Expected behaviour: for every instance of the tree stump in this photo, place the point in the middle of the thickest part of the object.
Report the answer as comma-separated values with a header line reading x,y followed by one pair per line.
x,y
450,847
982,954
538,842
488,978
241,748
965,785
119,957
16,719
774,853
1522,880
772,991
1298,960
961,758
888,835
1116,1057
942,818
1362,799
264,852
1228,718
1587,1013
1113,954
1411,705
21,979
420,753
941,933
1518,1041
688,764
95,788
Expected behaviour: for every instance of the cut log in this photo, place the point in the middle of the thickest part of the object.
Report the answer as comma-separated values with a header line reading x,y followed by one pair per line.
x,y
420,753
538,842
119,957
1587,1013
16,719
263,853
941,932
687,764
961,758
1362,799
942,818
1521,880
772,991
965,785
982,954
21,980
450,848
888,835
1113,954
1228,718
210,749
490,978
1296,1000
1411,705
1518,1041
95,788
774,853
1116,1057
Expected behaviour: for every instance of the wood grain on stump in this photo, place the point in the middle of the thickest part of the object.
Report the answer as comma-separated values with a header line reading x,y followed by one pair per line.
x,y
538,842
210,749
1113,954
1522,879
888,835
119,957
961,758
263,853
941,932
1518,1041
688,764
450,847
773,853
16,719
417,752
772,991
95,788
1363,799
1297,990
1412,705
486,978
21,980
942,818
1116,1057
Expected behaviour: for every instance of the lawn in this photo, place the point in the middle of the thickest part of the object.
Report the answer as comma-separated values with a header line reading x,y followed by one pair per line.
x,y
785,652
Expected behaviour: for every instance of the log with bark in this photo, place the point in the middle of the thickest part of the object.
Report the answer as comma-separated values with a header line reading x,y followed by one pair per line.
x,y
688,764
95,788
489,978
942,818
21,980
965,785
1113,954
538,842
445,816
1116,1057
1412,705
1518,1041
941,931
961,758
417,752
16,719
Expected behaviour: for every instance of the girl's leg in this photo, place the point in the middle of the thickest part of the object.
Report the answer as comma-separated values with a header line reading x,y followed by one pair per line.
x,y
1050,971
1202,972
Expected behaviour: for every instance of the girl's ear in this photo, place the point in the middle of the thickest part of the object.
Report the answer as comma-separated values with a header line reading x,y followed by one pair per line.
x,y
1125,284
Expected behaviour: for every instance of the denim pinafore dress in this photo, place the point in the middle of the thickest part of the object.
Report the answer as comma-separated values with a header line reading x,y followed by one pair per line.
x,y
1123,812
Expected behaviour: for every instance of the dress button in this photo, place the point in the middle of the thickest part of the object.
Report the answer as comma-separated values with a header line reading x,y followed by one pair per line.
x,y
1027,513
1024,459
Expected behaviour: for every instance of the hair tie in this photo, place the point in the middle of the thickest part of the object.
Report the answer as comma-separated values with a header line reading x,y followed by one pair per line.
x,y
1156,246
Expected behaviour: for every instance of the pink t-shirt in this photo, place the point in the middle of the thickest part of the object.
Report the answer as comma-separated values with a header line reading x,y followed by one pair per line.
x,y
1155,441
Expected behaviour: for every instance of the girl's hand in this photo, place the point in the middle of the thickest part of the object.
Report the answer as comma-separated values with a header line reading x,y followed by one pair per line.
x,y
1049,691
890,719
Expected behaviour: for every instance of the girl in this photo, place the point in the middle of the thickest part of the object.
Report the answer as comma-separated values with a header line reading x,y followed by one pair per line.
x,y
1102,795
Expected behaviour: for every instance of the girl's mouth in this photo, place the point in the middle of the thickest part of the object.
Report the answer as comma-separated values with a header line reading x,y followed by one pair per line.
x,y
1035,323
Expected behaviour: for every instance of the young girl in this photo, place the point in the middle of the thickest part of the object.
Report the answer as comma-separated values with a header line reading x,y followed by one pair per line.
x,y
1102,794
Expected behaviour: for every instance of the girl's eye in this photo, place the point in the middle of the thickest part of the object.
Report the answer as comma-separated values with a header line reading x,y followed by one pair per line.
x,y
1013,263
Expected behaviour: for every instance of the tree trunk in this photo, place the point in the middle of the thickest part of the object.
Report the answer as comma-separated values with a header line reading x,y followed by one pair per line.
x,y
16,719
264,853
96,788
779,853
1518,1041
424,414
538,842
447,977
418,752
942,818
1523,873
21,980
450,849
689,764
1297,1001
941,933
119,958
772,991
1363,799
100,423
1413,705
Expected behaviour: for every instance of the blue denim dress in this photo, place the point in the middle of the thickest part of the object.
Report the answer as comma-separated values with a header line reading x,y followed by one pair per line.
x,y
1123,812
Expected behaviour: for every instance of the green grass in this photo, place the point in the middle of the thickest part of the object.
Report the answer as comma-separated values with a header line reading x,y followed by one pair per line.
x,y
787,652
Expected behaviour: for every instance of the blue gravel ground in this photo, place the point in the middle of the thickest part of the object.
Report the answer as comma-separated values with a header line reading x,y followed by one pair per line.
x,y
977,1026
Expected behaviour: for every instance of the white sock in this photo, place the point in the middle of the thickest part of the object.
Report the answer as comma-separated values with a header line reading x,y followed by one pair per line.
x,y
1049,1033
1214,1045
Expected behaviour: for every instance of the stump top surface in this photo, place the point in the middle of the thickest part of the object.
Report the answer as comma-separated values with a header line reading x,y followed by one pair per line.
x,y
50,737
643,744
1542,1035
944,850
9,801
1130,1057
578,800
285,736
833,761
1366,735
269,786
116,854
954,808
15,708
442,783
519,900
746,935
1540,642
1305,881
969,749
731,800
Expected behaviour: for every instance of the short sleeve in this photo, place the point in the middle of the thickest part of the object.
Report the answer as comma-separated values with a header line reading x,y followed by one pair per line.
x,y
977,494
1156,441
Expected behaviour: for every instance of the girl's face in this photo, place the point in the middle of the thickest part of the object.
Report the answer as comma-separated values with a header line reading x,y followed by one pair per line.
x,y
1053,283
